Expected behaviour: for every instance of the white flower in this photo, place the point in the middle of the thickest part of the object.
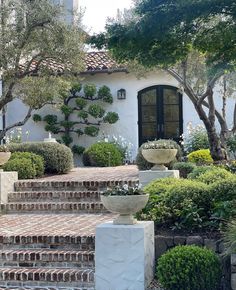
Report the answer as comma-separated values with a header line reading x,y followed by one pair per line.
x,y
125,187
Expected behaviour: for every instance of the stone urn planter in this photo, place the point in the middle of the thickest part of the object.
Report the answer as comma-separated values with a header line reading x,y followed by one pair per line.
x,y
125,206
159,157
4,157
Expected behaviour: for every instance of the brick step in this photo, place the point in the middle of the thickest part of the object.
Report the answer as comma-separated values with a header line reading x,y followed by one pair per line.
x,y
69,196
11,287
54,207
47,277
68,185
46,258
68,242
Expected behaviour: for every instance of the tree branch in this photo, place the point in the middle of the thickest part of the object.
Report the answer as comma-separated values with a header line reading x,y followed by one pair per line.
x,y
17,124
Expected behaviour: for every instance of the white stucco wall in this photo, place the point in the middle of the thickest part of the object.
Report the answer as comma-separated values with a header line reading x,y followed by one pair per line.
x,y
127,109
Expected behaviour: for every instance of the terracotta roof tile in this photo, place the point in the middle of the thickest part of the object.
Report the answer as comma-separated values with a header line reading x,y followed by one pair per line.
x,y
94,62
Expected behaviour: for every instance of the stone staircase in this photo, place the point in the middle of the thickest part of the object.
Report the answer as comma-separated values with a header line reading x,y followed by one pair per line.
x,y
47,235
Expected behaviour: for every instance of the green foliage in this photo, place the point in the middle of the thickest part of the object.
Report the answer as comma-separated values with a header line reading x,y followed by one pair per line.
x,y
67,139
198,170
50,119
213,175
76,88
24,167
196,139
111,118
85,111
37,118
81,103
66,110
90,90
91,131
230,237
103,154
79,150
37,161
184,168
189,268
200,157
57,157
96,111
105,94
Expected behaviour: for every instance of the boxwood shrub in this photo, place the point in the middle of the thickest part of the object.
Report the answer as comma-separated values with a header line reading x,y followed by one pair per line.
x,y
103,154
58,158
37,161
200,157
189,268
213,175
184,168
24,167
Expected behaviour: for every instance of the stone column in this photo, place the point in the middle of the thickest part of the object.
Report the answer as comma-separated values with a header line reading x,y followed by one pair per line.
x,y
7,180
147,176
124,256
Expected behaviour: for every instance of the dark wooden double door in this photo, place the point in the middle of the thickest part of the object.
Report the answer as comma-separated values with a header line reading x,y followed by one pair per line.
x,y
160,114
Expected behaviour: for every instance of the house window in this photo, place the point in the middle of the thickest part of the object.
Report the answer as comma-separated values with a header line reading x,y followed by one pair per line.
x,y
160,113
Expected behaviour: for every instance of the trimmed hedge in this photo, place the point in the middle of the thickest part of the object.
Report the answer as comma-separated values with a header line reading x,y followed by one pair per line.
x,y
213,175
189,268
58,158
24,167
102,154
37,161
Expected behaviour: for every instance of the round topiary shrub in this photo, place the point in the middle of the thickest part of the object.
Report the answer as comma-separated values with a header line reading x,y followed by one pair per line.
x,y
37,161
201,156
103,154
184,168
58,158
213,175
24,167
189,268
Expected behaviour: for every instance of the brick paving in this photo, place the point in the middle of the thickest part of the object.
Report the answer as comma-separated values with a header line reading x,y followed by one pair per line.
x,y
125,173
51,224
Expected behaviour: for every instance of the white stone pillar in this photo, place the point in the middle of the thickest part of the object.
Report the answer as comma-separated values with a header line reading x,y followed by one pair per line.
x,y
124,256
147,176
7,180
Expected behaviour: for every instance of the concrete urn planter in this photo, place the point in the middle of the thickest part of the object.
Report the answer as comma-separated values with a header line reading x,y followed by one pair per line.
x,y
126,206
159,157
4,157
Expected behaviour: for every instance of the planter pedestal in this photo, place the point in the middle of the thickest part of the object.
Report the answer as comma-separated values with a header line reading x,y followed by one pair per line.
x,y
124,256
7,180
146,176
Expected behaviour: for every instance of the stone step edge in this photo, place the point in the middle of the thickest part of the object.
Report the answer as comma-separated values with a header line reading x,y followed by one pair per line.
x,y
47,239
43,255
64,184
46,275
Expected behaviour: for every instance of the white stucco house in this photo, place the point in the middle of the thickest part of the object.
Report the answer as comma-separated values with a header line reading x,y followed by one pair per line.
x,y
152,108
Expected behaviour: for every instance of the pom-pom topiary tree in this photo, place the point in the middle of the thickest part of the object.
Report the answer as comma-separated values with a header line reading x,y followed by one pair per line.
x,y
87,104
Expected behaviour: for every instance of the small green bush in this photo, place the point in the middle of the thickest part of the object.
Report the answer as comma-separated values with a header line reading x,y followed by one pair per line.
x,y
24,167
103,154
178,204
37,161
189,268
184,168
58,158
213,175
199,170
199,157
196,139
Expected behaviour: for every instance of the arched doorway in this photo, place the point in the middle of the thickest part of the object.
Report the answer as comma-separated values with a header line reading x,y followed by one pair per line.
x,y
160,113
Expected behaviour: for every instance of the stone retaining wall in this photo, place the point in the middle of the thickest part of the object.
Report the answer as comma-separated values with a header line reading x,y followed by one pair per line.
x,y
164,243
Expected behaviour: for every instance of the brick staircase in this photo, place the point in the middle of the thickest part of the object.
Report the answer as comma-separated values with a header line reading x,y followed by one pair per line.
x,y
47,235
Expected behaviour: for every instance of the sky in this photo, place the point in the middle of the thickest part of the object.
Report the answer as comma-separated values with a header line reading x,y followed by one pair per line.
x,y
97,11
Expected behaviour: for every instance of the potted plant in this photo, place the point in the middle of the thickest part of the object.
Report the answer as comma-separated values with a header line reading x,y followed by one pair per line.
x,y
159,152
5,154
126,201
